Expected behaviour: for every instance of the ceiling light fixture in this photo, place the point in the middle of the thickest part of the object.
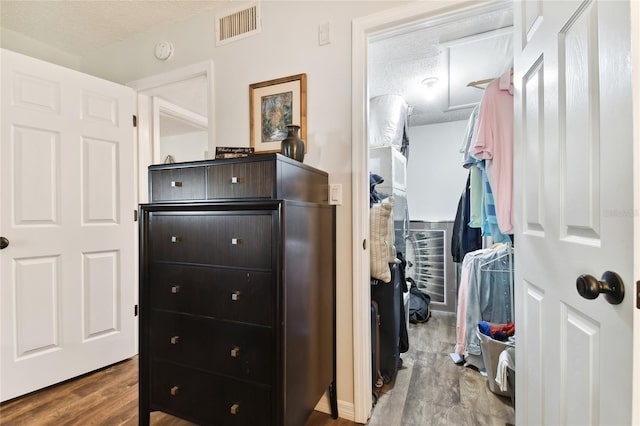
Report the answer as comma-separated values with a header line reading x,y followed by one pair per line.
x,y
431,87
430,82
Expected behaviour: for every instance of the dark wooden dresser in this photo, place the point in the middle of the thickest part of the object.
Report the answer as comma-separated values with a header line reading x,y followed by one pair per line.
x,y
237,292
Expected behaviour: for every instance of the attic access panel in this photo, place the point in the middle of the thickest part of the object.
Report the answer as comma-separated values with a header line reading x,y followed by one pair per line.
x,y
493,49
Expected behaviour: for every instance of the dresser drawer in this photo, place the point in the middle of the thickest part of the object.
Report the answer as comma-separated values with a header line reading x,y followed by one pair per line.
x,y
220,293
227,348
186,183
241,240
241,180
209,399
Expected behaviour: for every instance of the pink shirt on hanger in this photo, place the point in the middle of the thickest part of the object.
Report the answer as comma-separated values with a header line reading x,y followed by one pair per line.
x,y
493,142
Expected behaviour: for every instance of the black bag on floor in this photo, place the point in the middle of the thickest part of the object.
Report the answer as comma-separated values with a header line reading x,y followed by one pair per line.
x,y
419,309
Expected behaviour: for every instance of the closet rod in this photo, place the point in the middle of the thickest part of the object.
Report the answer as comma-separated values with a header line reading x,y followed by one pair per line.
x,y
477,84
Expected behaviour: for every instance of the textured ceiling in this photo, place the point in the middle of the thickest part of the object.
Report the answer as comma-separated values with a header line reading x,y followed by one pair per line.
x,y
79,26
468,49
454,51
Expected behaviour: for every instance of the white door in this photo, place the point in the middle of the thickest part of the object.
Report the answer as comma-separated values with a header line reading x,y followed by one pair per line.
x,y
67,182
574,198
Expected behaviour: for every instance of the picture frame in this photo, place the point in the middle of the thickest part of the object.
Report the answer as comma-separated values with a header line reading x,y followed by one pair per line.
x,y
274,104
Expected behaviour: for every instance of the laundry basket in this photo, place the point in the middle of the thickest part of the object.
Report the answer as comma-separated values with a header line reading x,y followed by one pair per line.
x,y
491,349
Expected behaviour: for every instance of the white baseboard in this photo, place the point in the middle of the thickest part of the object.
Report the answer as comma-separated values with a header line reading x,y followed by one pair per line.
x,y
345,409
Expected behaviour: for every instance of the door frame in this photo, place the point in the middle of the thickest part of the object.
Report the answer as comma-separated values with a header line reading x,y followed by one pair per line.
x,y
635,78
163,107
145,114
428,14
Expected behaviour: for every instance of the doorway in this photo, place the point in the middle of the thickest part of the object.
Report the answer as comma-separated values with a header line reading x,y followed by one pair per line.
x,y
175,115
384,27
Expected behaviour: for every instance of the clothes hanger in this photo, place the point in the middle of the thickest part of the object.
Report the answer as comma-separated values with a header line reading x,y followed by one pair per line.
x,y
478,84
508,254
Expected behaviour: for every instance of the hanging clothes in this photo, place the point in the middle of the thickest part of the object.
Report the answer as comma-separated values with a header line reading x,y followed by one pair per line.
x,y
493,142
464,239
489,220
468,162
484,294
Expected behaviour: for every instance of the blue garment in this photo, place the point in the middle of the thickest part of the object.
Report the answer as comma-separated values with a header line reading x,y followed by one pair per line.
x,y
488,293
467,159
484,328
489,220
374,196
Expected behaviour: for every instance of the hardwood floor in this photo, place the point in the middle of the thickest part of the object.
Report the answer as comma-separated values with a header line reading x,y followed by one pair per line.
x,y
429,390
106,397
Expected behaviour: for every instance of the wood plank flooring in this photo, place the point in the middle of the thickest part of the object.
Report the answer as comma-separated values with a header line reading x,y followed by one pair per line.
x,y
429,390
106,397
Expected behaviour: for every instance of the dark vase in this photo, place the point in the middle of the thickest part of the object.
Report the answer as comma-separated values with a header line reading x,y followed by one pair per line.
x,y
292,146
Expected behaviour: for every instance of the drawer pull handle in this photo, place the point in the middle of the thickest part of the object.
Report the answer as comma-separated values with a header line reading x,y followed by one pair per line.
x,y
236,241
175,239
176,184
235,409
235,352
175,289
235,296
234,179
175,340
174,390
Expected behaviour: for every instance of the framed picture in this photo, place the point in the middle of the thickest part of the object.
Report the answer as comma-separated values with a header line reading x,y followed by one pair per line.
x,y
273,105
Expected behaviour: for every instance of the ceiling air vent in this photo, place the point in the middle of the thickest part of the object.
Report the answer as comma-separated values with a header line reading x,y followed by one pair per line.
x,y
239,24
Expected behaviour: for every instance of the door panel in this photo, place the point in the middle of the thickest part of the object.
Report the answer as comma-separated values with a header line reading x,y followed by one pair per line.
x,y
37,321
534,383
531,18
101,288
100,191
573,163
67,278
36,154
578,114
533,151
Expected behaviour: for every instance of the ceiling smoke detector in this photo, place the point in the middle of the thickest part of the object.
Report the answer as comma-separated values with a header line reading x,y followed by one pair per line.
x,y
164,50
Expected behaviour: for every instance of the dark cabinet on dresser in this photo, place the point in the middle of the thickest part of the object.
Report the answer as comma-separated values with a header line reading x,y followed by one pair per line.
x,y
237,292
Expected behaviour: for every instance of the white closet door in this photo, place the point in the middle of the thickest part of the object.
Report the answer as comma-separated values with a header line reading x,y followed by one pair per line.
x,y
574,196
67,183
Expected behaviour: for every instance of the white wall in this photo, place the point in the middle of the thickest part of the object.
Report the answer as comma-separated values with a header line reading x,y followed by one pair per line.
x,y
184,147
17,42
287,45
435,176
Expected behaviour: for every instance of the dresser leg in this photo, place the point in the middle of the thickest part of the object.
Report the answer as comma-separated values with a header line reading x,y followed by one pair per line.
x,y
333,399
144,418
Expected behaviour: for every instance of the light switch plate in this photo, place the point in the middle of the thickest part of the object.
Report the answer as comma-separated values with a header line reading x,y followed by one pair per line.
x,y
335,194
324,34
